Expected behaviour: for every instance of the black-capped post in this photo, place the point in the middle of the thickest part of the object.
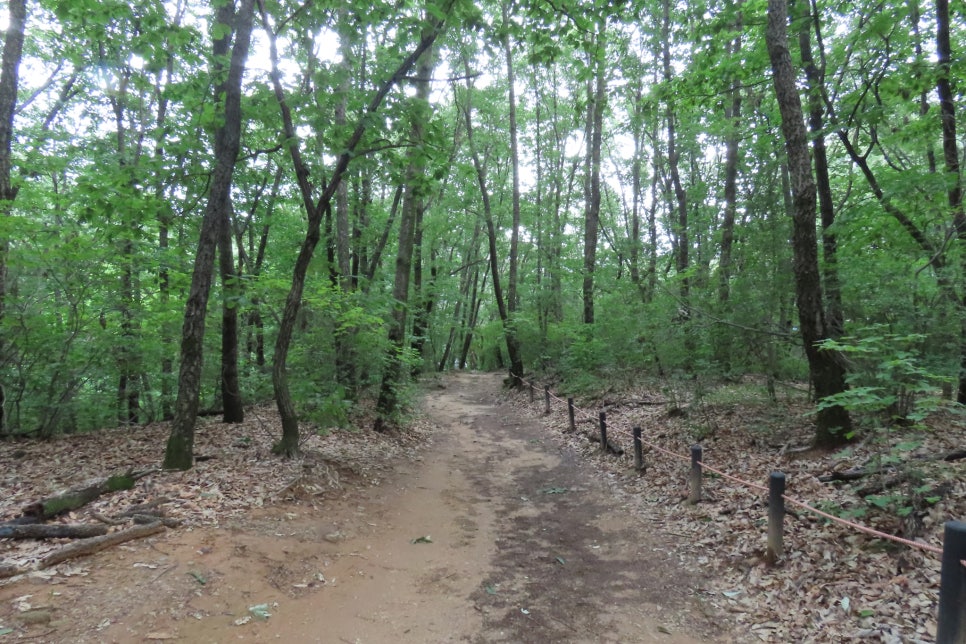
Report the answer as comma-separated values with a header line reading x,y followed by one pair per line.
x,y
570,413
776,518
638,451
695,489
952,586
603,432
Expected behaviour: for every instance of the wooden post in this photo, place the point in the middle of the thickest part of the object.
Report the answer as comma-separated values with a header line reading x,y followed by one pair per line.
x,y
531,392
546,395
570,413
603,432
776,518
695,494
638,451
952,586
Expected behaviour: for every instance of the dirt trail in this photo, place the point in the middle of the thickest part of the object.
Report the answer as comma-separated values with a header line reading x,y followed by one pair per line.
x,y
521,543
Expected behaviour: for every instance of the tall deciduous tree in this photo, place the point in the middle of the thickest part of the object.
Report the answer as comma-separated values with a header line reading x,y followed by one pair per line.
x,y
833,425
9,81
232,37
954,182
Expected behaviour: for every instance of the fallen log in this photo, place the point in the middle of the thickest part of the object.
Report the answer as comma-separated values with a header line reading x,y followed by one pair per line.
x,y
10,570
44,531
96,544
80,496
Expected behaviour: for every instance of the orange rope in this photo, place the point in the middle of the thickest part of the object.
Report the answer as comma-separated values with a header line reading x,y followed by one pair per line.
x,y
801,504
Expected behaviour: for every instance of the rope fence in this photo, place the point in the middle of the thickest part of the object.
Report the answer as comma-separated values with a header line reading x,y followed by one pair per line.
x,y
952,591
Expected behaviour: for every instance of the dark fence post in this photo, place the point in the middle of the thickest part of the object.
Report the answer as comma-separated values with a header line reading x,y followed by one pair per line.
x,y
952,586
695,494
531,392
776,517
546,395
638,451
570,413
603,432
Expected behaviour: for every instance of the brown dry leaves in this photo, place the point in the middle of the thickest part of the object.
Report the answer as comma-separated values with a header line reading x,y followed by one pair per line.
x,y
834,584
235,473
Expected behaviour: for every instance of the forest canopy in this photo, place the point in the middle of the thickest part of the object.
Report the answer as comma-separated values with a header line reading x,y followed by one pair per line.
x,y
206,205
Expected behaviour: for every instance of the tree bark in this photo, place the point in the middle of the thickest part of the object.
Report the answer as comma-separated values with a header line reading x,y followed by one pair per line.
x,y
233,410
9,82
179,454
595,116
413,202
834,312
513,300
501,305
289,443
833,425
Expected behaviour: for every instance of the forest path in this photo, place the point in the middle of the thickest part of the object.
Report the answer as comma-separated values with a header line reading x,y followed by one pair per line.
x,y
523,543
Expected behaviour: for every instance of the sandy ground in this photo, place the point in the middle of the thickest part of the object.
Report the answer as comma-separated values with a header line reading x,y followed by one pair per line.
x,y
497,533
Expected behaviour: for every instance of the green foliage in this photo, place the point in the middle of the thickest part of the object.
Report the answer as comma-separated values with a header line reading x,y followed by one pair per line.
x,y
887,377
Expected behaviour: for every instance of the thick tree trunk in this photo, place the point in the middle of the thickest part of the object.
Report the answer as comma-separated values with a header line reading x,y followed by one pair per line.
x,y
594,134
834,313
179,453
954,190
833,425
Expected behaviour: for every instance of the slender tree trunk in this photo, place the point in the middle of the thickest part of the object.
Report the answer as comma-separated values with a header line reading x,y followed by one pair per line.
x,y
512,347
9,82
833,425
733,116
513,300
954,183
834,314
233,409
289,443
595,117
179,454
414,197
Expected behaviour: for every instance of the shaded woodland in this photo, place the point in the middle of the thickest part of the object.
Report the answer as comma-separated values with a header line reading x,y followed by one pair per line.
x,y
207,206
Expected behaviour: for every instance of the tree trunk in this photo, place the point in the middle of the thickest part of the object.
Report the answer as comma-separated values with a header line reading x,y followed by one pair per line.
x,y
954,190
233,410
179,454
595,107
9,82
834,314
513,300
413,202
289,443
833,425
733,116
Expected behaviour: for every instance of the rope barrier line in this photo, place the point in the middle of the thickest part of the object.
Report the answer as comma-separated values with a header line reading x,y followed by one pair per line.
x,y
801,504
862,528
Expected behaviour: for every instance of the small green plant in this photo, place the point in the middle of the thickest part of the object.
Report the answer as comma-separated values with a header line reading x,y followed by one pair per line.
x,y
887,378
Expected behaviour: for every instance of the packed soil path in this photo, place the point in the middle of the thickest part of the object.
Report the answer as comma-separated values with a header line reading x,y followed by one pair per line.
x,y
498,533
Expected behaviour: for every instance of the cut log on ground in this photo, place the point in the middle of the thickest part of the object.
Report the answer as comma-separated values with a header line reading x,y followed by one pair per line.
x,y
42,531
96,544
10,570
80,496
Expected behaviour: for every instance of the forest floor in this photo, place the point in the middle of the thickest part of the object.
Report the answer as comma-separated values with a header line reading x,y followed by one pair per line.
x,y
488,521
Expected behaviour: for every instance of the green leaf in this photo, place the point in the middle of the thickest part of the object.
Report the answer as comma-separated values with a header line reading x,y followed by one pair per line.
x,y
425,539
199,578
